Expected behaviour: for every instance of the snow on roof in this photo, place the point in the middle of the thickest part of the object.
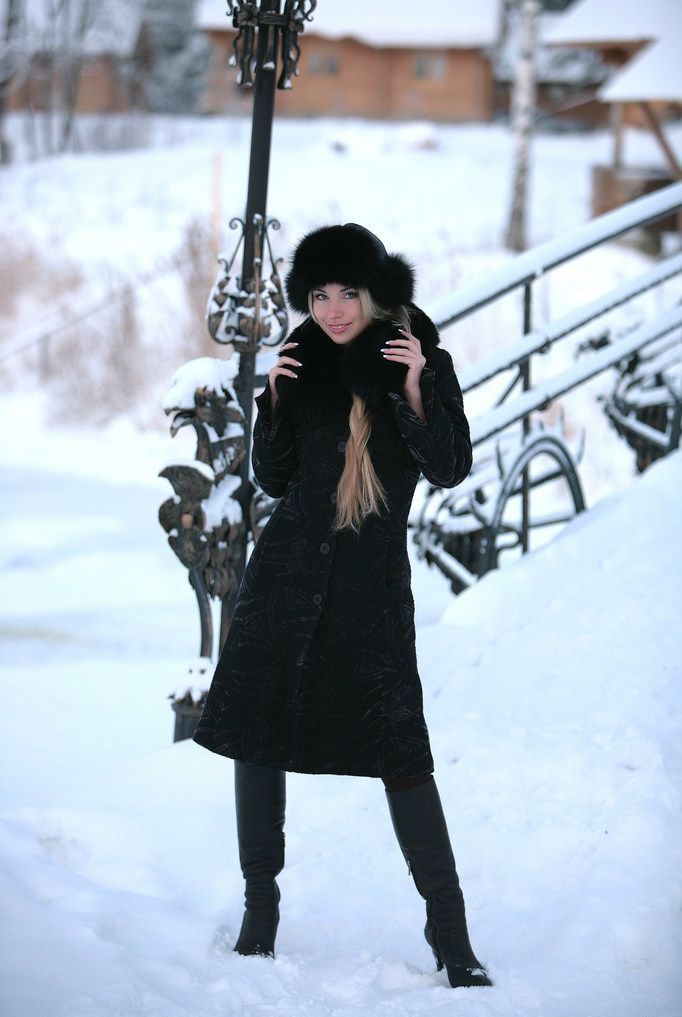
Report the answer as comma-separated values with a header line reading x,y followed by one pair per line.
x,y
397,23
553,63
594,22
654,75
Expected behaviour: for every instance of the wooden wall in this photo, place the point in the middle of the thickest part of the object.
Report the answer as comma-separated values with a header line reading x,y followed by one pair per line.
x,y
347,78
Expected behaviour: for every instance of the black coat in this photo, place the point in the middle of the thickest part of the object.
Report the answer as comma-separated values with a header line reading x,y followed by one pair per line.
x,y
318,673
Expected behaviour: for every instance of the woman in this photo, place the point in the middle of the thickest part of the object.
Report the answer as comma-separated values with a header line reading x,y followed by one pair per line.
x,y
318,673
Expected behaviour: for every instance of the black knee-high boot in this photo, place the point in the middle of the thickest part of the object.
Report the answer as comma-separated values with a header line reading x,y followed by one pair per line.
x,y
422,833
260,798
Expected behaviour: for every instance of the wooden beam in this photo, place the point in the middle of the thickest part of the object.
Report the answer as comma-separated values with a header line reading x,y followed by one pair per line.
x,y
617,118
657,131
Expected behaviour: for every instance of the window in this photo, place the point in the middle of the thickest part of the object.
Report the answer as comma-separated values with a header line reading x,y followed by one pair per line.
x,y
322,62
430,65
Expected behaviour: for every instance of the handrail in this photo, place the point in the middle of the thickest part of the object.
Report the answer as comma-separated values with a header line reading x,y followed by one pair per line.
x,y
539,340
492,423
530,265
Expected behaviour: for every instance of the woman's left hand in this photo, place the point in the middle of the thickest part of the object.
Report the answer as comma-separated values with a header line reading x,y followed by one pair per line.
x,y
407,351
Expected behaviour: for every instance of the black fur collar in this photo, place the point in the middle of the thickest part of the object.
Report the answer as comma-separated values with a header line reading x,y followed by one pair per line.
x,y
330,371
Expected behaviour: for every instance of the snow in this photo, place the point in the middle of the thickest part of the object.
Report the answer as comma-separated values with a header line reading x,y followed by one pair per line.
x,y
549,388
552,693
553,64
202,372
595,22
551,687
655,75
534,342
221,506
387,22
197,682
128,215
535,262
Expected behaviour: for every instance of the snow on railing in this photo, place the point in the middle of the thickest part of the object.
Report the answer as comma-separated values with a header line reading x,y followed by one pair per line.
x,y
466,532
540,340
534,263
496,420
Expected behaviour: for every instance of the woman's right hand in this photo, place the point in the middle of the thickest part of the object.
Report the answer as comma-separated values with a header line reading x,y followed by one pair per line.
x,y
280,369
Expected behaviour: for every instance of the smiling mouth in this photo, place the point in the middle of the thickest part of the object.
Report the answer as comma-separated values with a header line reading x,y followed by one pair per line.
x,y
339,328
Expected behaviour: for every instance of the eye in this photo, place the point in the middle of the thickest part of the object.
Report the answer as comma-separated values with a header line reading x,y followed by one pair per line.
x,y
319,296
351,294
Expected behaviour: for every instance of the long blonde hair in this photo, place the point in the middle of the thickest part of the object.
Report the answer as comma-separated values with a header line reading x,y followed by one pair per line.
x,y
359,492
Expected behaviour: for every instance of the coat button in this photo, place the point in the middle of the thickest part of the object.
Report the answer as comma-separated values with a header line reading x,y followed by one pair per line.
x,y
324,548
341,446
317,599
333,497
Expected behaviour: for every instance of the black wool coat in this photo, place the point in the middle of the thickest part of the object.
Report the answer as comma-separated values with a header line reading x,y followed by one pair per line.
x,y
318,673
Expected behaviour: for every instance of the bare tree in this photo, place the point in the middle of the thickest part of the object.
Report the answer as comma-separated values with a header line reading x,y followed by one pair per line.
x,y
523,111
77,18
57,38
9,63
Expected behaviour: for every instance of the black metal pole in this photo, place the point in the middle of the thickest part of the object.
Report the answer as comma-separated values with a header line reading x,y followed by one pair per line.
x,y
256,201
525,376
261,136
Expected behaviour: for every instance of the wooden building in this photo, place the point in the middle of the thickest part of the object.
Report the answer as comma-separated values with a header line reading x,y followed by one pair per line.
x,y
616,32
384,59
107,67
642,45
567,78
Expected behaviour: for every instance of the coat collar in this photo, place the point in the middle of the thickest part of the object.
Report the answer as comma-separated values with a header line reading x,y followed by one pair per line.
x,y
330,371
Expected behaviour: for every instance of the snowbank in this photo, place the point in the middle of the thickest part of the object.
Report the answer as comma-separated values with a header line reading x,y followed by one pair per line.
x,y
552,696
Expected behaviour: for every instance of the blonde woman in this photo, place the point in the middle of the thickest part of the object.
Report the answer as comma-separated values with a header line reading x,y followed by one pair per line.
x,y
318,673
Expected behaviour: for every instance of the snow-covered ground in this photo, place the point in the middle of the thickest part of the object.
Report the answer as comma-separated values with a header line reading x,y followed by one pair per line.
x,y
551,689
76,228
552,692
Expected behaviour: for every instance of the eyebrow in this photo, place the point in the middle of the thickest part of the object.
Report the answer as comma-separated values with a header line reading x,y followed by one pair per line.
x,y
344,289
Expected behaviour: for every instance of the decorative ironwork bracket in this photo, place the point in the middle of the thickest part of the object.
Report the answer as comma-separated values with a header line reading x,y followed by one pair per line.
x,y
244,316
203,519
247,17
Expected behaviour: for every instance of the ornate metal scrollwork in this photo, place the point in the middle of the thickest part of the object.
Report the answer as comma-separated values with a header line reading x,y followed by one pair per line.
x,y
247,17
203,519
245,316
464,531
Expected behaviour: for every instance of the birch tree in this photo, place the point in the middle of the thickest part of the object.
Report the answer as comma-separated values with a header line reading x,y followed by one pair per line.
x,y
522,114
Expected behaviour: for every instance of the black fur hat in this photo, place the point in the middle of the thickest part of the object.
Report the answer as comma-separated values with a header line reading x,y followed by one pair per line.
x,y
348,255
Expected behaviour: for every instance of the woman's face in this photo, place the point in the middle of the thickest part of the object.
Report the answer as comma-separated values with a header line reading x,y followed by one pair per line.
x,y
338,312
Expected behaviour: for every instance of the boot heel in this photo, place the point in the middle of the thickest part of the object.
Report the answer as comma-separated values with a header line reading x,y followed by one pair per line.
x,y
461,974
422,833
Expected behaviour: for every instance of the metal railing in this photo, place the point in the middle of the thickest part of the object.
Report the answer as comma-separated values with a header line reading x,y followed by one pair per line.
x,y
463,531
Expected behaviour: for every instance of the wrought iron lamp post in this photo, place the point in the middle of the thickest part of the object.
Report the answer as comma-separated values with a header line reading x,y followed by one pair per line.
x,y
247,313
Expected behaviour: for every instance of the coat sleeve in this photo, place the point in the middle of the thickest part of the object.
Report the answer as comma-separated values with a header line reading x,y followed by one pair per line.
x,y
440,445
273,455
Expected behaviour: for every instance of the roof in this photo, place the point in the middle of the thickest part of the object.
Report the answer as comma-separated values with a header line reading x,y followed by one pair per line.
x,y
553,64
608,22
388,23
653,75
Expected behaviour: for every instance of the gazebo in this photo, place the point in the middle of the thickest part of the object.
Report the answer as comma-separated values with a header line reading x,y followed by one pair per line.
x,y
642,44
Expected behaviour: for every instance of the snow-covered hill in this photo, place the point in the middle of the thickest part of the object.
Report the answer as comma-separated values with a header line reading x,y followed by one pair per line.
x,y
552,692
